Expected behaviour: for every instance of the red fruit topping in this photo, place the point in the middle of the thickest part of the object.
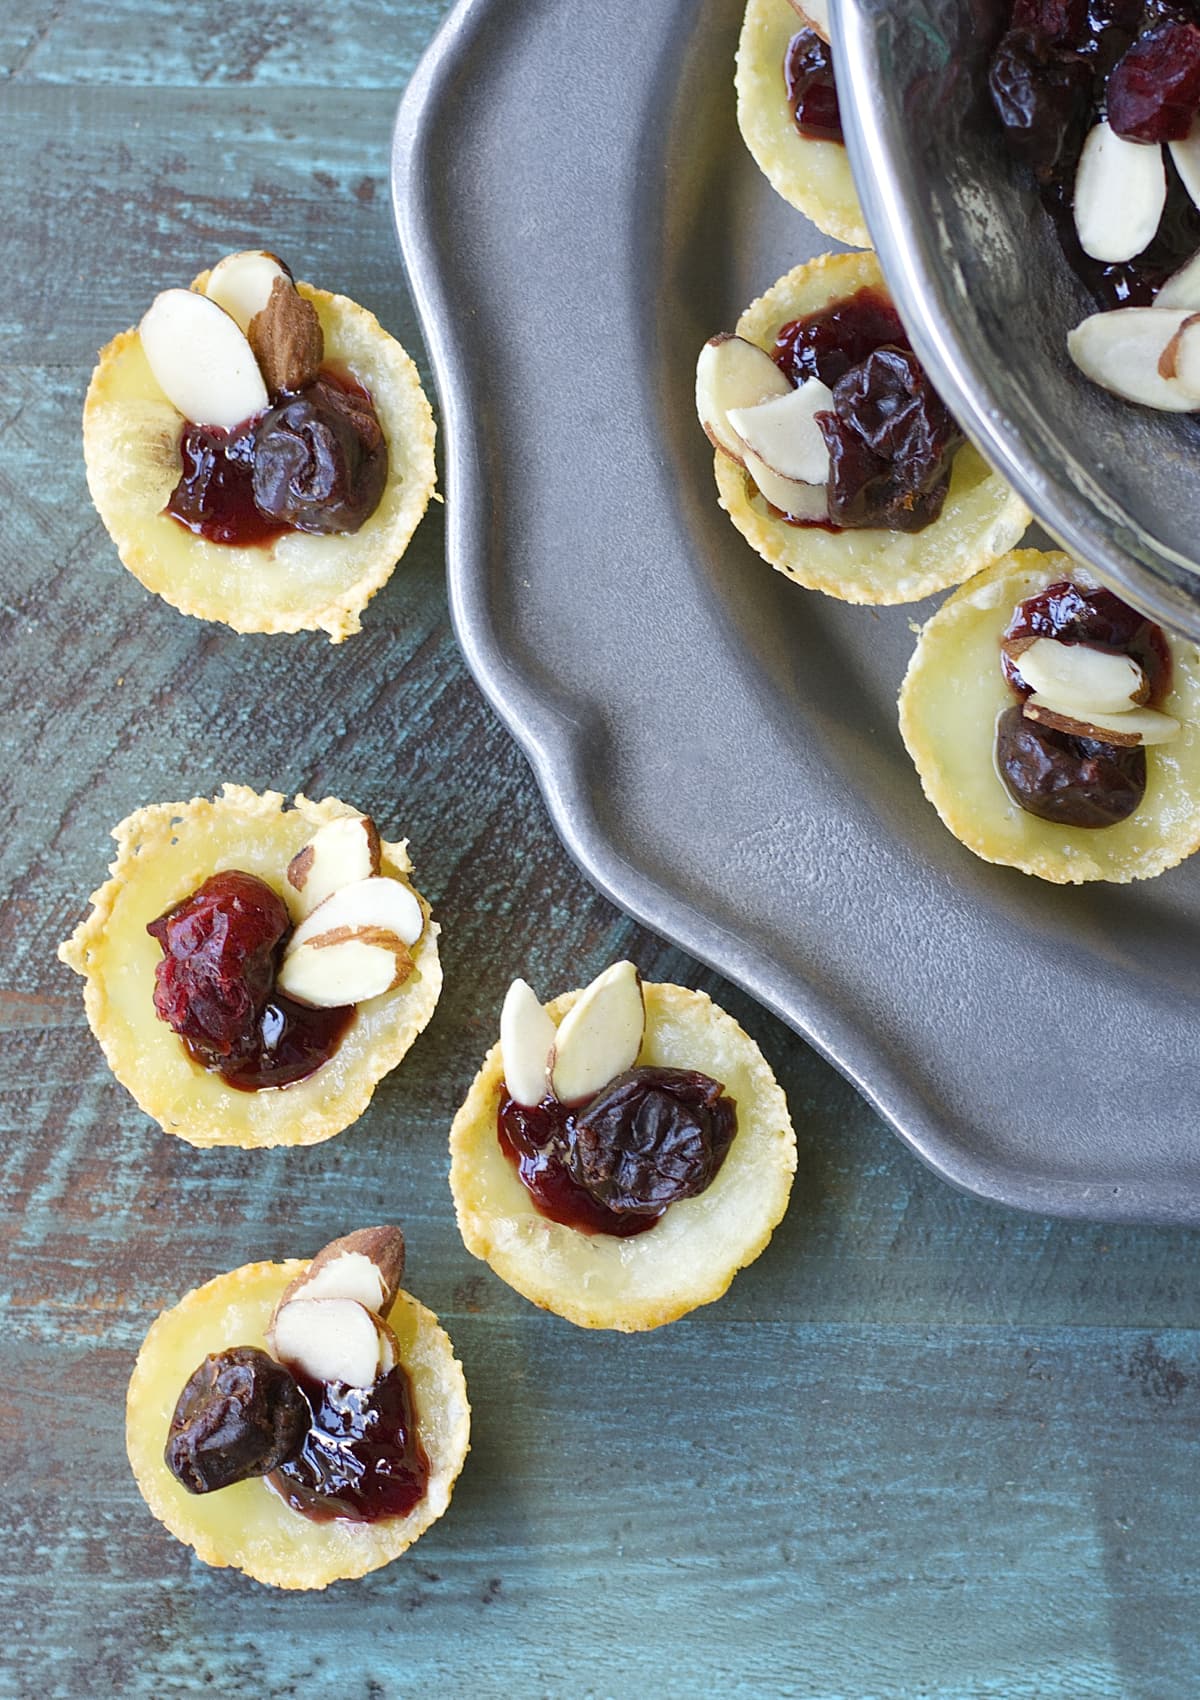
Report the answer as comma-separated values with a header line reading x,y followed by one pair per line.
x,y
218,964
1154,91
1060,22
811,91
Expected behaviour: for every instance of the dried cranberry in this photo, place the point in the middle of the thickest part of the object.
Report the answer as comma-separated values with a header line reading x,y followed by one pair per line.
x,y
218,963
361,1456
891,443
1154,92
1073,614
240,1415
827,343
215,493
1041,98
320,459
651,1138
811,91
1067,780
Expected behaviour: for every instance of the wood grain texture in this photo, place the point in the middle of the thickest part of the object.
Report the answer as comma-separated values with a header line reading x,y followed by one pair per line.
x,y
924,1448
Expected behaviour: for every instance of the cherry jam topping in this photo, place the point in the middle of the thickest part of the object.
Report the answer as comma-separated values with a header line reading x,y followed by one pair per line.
x,y
1069,780
362,1457
315,461
811,91
890,437
615,1164
215,986
1065,64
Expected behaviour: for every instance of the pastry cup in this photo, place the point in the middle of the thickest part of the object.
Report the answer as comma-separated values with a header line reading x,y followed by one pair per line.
x,y
981,520
301,582
954,691
692,1254
814,176
249,1526
163,853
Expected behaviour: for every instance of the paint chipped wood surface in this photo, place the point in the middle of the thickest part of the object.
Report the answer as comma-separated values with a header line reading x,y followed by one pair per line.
x,y
924,1448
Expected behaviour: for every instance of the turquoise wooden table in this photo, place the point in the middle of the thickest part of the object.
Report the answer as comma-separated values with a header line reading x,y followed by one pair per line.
x,y
924,1448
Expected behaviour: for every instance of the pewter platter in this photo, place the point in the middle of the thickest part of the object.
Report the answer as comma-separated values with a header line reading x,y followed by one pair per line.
x,y
719,749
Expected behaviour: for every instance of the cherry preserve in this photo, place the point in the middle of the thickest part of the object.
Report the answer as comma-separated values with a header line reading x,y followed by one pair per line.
x,y
811,92
615,1164
215,986
362,1457
315,461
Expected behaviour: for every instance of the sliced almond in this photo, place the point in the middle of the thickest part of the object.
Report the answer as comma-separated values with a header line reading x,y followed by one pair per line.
x,y
341,853
784,433
1076,678
1139,726
792,496
815,13
242,283
1182,288
1186,156
1180,359
1121,351
344,966
375,902
732,372
201,360
367,1266
332,1340
527,1036
600,1035
1120,193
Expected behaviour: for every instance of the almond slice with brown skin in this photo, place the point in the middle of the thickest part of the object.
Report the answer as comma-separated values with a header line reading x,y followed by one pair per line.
x,y
378,901
527,1036
341,853
1078,679
792,496
333,1340
600,1035
815,13
346,965
242,283
201,359
732,372
784,434
1121,350
1138,726
367,1265
1180,359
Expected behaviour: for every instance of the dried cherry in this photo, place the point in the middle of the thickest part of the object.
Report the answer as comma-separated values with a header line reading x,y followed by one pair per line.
x,y
320,459
826,344
652,1137
1073,614
1153,93
811,91
240,1415
1040,97
891,444
361,1456
1070,781
215,986
536,1140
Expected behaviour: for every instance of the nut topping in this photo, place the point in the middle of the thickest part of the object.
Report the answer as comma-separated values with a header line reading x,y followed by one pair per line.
x,y
353,945
287,339
341,853
242,283
1121,350
1180,359
600,1035
814,13
1075,678
732,372
367,1265
1120,193
784,434
200,359
334,1340
527,1036
1127,731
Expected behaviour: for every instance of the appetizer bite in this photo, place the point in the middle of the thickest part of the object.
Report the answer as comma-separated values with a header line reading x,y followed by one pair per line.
x,y
253,971
302,1422
1102,103
1055,729
260,451
835,457
788,113
622,1153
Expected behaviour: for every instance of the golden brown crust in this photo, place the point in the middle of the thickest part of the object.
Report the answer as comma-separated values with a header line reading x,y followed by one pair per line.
x,y
814,176
690,1256
981,520
299,582
952,694
164,852
248,1526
